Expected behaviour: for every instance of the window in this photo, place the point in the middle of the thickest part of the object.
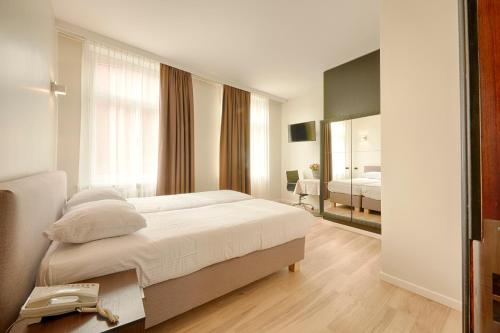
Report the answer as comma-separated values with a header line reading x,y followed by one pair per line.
x,y
259,146
120,110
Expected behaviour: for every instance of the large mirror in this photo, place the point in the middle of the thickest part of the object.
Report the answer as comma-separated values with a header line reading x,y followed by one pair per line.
x,y
352,172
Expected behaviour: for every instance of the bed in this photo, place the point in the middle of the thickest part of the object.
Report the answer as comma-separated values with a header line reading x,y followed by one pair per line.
x,y
186,200
175,243
371,197
236,243
348,192
360,193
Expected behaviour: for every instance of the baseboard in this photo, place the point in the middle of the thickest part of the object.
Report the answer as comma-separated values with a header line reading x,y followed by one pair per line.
x,y
432,295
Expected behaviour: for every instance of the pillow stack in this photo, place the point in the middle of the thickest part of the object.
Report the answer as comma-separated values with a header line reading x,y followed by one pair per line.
x,y
95,214
95,194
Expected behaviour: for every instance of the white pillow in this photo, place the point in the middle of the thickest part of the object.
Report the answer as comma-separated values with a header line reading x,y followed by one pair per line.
x,y
96,220
373,175
93,194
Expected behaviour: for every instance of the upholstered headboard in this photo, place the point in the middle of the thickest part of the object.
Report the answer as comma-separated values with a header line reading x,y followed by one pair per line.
x,y
371,168
27,207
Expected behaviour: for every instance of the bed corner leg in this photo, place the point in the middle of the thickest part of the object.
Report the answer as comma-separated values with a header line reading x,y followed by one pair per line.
x,y
295,267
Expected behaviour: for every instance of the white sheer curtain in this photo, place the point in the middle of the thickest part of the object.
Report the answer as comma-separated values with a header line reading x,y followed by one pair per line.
x,y
120,109
340,148
259,146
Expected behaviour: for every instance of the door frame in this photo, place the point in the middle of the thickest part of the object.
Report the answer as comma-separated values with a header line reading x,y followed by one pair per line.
x,y
471,149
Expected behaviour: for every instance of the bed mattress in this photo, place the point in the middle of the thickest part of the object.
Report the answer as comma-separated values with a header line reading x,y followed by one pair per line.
x,y
186,200
344,185
179,242
372,191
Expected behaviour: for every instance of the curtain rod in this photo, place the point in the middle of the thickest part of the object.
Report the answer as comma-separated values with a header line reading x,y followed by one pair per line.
x,y
82,39
81,34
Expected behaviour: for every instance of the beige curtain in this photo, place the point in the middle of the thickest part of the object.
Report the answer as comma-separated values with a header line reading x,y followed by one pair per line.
x,y
176,135
234,170
327,158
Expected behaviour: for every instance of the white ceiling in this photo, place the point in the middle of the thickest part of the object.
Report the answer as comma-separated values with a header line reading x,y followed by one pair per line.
x,y
280,47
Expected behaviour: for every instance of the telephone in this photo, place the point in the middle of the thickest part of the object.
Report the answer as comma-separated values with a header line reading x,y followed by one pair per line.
x,y
55,300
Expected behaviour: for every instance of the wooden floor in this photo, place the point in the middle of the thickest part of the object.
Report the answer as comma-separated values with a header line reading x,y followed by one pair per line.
x,y
337,290
346,211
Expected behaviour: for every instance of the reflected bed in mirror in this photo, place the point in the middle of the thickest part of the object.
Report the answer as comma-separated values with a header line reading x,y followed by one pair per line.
x,y
353,179
360,196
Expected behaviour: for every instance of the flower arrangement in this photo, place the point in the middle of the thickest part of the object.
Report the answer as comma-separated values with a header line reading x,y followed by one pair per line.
x,y
314,167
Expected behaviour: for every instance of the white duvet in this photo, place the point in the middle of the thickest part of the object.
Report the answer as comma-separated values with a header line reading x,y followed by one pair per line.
x,y
187,200
372,191
179,242
344,185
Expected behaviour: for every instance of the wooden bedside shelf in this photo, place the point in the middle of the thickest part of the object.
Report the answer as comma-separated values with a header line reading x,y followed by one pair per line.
x,y
119,292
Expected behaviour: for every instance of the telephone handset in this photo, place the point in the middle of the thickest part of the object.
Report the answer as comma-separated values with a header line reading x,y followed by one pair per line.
x,y
55,300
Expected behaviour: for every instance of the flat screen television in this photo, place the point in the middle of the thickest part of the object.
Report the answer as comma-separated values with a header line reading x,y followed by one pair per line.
x,y
302,132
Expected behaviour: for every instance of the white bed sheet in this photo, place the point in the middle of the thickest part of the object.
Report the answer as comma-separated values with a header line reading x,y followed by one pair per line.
x,y
344,185
177,243
372,191
186,200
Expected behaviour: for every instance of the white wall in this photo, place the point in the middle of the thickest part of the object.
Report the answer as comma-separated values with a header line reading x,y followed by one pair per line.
x,y
207,98
420,100
69,70
299,155
365,152
28,113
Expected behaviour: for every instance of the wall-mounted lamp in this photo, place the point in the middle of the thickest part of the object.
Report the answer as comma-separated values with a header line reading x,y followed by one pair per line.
x,y
57,89
364,138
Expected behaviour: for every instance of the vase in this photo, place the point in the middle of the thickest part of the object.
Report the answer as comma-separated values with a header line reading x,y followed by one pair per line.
x,y
315,174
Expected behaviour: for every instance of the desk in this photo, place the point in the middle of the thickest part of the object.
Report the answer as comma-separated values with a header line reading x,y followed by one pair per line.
x,y
307,186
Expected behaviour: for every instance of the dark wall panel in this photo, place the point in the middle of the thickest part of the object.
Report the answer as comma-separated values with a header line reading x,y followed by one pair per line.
x,y
352,90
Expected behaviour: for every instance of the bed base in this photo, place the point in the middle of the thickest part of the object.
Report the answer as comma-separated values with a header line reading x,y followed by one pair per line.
x,y
369,204
168,299
357,201
346,199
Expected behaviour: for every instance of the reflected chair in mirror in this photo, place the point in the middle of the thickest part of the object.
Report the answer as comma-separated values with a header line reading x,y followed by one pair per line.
x,y
292,177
